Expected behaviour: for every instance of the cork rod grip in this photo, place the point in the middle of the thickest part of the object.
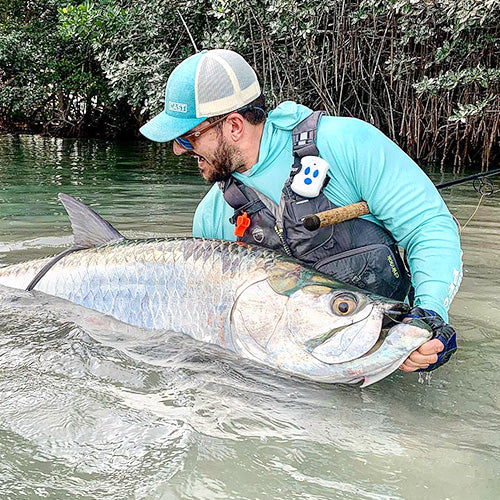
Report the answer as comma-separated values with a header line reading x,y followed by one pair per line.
x,y
335,215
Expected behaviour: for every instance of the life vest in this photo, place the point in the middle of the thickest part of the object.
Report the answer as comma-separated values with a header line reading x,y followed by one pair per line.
x,y
358,251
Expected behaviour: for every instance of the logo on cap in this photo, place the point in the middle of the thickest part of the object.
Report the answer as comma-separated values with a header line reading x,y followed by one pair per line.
x,y
178,107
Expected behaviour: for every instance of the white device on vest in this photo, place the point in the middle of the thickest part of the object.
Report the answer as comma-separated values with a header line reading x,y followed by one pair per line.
x,y
308,182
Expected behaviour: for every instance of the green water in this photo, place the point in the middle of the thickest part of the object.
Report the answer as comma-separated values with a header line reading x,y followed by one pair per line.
x,y
141,187
89,409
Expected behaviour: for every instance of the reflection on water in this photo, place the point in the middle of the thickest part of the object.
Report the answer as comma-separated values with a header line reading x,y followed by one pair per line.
x,y
138,186
91,408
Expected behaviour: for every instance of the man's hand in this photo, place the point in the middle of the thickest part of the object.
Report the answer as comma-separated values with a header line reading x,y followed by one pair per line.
x,y
425,355
435,352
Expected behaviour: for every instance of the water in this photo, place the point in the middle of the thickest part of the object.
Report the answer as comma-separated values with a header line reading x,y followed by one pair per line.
x,y
92,409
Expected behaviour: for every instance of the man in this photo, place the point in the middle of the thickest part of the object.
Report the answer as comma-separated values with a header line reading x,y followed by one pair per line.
x,y
214,112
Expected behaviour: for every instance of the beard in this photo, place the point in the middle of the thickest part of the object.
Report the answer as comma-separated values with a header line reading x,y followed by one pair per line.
x,y
226,159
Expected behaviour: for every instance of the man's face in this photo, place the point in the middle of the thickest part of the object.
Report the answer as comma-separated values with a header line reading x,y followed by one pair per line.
x,y
217,159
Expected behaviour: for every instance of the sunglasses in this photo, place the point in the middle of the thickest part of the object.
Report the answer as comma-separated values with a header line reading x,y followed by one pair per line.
x,y
187,141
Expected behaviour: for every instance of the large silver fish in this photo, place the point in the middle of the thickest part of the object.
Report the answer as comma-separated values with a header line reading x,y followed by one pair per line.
x,y
248,299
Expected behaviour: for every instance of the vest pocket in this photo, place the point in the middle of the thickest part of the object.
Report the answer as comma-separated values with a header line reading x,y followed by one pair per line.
x,y
375,268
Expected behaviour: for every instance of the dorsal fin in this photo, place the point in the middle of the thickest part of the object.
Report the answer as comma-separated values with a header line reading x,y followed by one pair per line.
x,y
89,228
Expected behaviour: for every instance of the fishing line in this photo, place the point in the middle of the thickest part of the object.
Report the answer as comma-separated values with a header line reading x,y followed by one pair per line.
x,y
403,322
473,214
485,188
187,29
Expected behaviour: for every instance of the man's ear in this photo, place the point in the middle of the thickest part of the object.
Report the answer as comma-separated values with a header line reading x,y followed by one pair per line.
x,y
235,126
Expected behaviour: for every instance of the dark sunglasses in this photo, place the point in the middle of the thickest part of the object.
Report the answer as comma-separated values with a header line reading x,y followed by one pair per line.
x,y
187,141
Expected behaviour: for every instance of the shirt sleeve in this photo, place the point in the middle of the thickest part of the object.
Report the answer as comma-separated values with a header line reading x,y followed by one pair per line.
x,y
211,218
199,230
402,199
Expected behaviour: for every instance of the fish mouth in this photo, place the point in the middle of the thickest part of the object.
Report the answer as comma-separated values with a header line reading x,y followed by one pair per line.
x,y
409,337
394,314
378,344
347,343
391,317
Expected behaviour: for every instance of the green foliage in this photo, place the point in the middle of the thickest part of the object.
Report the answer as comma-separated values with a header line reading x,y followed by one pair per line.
x,y
49,82
451,80
465,111
426,72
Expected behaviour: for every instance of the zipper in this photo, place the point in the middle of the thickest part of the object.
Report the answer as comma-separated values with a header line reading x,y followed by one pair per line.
x,y
279,232
350,253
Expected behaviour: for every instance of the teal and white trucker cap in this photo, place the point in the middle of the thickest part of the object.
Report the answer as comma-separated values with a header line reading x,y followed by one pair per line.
x,y
210,83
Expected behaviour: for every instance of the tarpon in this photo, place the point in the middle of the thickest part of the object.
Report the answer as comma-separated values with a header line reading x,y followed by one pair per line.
x,y
251,300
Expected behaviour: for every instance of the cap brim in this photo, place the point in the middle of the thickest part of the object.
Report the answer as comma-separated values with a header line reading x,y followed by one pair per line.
x,y
163,127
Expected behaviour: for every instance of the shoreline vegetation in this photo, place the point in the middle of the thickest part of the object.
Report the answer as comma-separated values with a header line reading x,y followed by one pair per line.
x,y
426,72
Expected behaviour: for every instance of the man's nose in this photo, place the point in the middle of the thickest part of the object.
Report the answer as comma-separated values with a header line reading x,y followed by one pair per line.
x,y
178,149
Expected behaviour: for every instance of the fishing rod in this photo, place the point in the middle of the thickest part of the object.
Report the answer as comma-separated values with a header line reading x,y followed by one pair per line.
x,y
341,214
468,178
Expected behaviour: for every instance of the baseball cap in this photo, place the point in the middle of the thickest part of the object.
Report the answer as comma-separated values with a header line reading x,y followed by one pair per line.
x,y
210,83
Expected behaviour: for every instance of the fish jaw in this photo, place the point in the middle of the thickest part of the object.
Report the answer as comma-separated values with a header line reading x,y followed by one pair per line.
x,y
353,341
402,339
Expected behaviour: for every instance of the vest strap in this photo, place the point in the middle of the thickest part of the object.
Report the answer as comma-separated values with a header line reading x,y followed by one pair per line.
x,y
250,208
304,136
233,195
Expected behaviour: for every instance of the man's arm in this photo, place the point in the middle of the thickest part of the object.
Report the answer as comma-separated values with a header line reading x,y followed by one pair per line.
x,y
366,165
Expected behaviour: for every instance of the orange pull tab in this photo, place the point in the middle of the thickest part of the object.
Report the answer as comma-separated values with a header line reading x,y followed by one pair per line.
x,y
242,224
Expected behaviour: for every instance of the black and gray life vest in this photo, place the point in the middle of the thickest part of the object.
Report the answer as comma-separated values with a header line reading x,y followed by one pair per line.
x,y
358,252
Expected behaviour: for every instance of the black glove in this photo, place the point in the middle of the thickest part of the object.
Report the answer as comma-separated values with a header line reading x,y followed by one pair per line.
x,y
441,331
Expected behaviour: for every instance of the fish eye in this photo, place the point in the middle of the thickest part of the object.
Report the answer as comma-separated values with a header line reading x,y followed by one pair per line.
x,y
344,305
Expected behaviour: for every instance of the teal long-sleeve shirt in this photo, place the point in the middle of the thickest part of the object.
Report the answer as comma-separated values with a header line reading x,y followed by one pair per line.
x,y
364,165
